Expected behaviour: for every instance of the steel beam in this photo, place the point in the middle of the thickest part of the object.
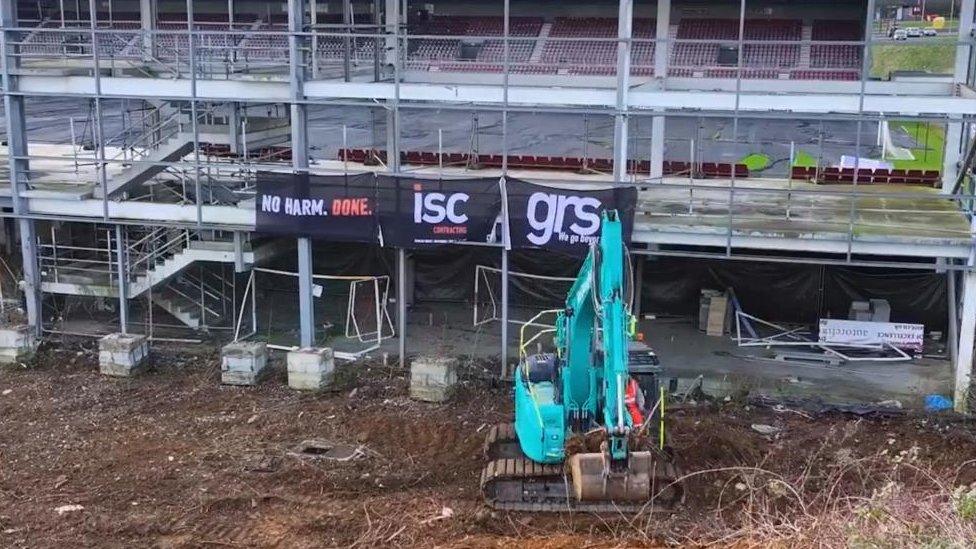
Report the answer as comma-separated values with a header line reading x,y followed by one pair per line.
x,y
536,98
967,339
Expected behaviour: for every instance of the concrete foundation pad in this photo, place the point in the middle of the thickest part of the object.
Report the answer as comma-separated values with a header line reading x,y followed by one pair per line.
x,y
122,355
432,378
17,344
243,362
310,368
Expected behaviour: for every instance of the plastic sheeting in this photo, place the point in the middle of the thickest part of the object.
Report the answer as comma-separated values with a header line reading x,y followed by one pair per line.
x,y
801,293
778,292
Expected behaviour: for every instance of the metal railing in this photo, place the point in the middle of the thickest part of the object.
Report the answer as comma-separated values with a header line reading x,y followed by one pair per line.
x,y
223,50
99,263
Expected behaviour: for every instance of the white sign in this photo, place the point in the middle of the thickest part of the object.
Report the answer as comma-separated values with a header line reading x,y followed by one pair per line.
x,y
854,332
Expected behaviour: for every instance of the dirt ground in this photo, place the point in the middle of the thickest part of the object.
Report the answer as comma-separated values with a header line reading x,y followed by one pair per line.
x,y
173,459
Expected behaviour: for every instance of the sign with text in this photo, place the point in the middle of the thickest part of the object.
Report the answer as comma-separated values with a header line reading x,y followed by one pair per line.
x,y
339,208
855,332
564,219
417,212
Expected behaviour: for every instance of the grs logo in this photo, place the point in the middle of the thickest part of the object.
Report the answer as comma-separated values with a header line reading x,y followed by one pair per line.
x,y
436,207
547,215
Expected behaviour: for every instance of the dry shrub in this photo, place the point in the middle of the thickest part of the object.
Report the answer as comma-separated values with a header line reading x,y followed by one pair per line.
x,y
834,499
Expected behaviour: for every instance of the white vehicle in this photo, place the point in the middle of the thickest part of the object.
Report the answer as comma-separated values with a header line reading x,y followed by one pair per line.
x,y
930,32
900,34
914,32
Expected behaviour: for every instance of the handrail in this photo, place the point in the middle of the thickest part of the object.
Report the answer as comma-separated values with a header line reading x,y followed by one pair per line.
x,y
523,343
203,305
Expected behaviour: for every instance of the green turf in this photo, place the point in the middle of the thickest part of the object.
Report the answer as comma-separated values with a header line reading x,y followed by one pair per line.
x,y
755,161
803,159
931,140
949,25
936,55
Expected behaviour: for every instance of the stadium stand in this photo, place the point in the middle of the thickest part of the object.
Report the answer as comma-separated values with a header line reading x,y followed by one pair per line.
x,y
841,56
571,45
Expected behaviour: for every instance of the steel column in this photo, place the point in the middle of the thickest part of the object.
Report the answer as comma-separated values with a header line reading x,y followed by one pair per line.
x,y
347,21
964,51
121,271
952,333
955,137
19,168
504,354
393,106
305,283
402,304
954,140
967,338
147,17
661,49
299,155
625,22
657,147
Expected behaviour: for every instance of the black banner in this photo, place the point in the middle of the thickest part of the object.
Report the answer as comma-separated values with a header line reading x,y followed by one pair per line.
x,y
339,208
418,213
564,219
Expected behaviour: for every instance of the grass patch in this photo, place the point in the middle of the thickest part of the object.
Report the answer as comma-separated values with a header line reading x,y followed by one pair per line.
x,y
755,161
931,140
803,159
937,57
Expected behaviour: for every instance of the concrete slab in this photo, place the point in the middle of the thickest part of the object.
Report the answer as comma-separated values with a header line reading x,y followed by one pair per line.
x,y
310,368
687,353
17,344
432,378
122,355
243,362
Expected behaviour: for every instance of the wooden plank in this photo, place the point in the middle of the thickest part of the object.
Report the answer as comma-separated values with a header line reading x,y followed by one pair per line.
x,y
717,310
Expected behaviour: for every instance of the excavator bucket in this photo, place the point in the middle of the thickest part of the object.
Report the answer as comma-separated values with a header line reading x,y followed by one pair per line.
x,y
644,478
513,482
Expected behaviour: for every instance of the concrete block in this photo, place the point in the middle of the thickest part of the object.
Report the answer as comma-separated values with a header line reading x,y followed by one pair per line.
x,y
17,344
243,362
122,355
432,378
310,368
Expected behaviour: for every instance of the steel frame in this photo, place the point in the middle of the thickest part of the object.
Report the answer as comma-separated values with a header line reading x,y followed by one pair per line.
x,y
620,101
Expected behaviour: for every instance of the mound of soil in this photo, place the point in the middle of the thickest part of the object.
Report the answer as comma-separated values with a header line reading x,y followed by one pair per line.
x,y
174,459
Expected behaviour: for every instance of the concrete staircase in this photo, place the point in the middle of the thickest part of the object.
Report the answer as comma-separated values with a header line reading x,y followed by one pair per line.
x,y
807,34
540,43
170,150
163,276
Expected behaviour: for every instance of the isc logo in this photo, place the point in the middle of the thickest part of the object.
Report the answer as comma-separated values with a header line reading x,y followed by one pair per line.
x,y
549,213
436,207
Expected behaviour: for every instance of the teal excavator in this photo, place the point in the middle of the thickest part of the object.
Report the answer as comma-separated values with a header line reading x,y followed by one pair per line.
x,y
589,431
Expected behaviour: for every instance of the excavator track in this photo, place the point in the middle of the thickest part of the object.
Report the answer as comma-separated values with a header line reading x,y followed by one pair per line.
x,y
512,482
